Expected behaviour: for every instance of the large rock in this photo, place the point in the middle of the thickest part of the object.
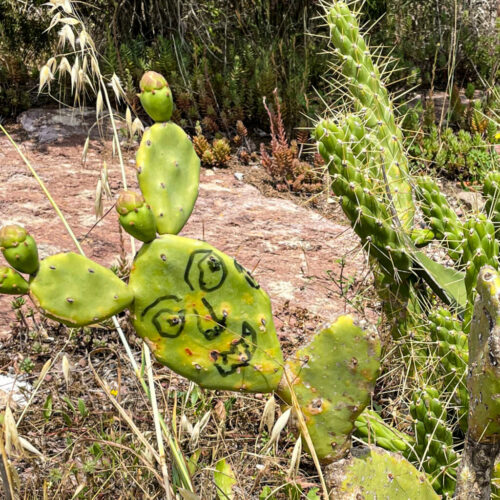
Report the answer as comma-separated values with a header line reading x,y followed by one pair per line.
x,y
49,125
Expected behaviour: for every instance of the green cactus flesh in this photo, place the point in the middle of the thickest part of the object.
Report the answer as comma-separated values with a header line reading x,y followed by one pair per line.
x,y
491,191
19,249
371,427
12,282
205,316
374,474
168,171
440,216
361,197
332,379
483,380
156,96
372,102
136,216
434,441
453,356
76,291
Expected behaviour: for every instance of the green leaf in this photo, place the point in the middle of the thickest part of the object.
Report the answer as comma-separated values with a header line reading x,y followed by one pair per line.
x,y
47,407
82,408
313,494
192,463
224,480
447,283
71,406
266,494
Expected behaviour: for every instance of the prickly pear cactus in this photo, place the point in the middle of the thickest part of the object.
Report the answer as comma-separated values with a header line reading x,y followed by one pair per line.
x,y
19,249
11,282
136,216
371,473
482,442
484,359
332,379
205,316
156,96
168,172
77,291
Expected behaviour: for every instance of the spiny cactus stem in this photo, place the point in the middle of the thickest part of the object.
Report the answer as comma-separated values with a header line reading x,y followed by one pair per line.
x,y
474,474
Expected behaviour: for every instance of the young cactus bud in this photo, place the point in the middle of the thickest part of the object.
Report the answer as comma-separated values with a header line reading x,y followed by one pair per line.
x,y
136,216
11,282
19,249
156,96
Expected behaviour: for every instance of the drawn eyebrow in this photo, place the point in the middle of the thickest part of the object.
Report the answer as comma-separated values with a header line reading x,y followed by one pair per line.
x,y
157,301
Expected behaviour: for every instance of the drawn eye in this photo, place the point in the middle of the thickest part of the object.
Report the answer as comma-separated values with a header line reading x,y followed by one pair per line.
x,y
168,316
248,276
205,270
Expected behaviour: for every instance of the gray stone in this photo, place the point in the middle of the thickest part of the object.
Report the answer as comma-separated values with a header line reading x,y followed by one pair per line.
x,y
49,125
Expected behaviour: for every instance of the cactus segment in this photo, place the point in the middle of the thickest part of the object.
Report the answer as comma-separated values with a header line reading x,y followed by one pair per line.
x,y
434,441
136,216
77,291
168,171
371,427
12,282
19,249
205,316
332,379
372,101
361,198
480,248
491,192
156,96
483,380
422,237
453,357
372,473
440,216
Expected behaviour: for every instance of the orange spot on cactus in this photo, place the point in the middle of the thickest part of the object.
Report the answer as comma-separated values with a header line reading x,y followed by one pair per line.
x,y
188,351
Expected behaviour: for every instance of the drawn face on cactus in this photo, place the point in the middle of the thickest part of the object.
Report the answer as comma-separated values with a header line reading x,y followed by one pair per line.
x,y
204,315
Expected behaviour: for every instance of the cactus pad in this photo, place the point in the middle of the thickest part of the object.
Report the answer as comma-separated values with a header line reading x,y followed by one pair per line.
x,y
77,291
19,249
136,216
156,96
483,380
332,379
12,282
205,316
372,473
168,171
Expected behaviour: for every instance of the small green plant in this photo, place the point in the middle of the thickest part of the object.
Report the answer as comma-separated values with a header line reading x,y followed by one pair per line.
x,y
27,365
454,155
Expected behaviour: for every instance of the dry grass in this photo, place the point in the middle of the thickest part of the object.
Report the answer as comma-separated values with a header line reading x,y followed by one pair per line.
x,y
89,449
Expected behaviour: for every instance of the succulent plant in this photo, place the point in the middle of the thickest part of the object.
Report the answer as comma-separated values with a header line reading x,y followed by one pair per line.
x,y
373,473
19,249
135,216
330,405
156,96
